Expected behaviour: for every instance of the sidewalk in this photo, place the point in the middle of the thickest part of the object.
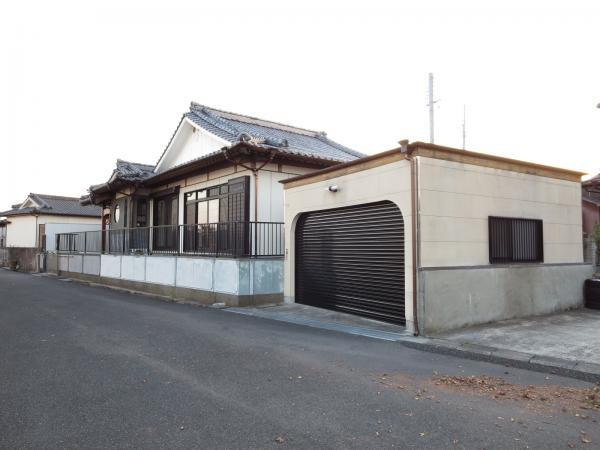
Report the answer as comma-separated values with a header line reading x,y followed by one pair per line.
x,y
566,344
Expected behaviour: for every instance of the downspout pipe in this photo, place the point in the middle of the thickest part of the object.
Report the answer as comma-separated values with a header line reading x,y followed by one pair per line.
x,y
414,183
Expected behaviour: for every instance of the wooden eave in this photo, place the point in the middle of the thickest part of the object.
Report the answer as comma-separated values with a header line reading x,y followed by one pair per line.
x,y
246,154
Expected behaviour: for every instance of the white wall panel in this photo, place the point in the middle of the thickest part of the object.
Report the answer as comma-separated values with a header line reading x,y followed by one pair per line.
x,y
133,268
226,276
161,269
195,273
110,266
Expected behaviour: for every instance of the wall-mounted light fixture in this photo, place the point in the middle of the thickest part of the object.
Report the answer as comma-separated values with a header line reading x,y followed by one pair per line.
x,y
333,188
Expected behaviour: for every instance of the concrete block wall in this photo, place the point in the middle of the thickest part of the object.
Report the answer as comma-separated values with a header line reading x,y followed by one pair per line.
x,y
220,279
451,298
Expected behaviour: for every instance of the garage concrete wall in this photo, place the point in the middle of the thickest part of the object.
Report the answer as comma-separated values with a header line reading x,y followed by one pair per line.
x,y
455,201
254,280
456,297
385,182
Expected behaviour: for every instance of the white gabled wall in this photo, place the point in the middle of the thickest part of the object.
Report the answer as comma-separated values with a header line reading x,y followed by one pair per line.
x,y
189,142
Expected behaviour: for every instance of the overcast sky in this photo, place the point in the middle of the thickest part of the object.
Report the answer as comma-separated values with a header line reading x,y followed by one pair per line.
x,y
84,84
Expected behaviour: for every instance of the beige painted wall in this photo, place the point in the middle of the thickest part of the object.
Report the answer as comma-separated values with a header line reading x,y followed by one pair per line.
x,y
22,230
69,219
388,182
456,199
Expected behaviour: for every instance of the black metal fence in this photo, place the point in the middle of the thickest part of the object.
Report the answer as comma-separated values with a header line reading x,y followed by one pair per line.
x,y
228,239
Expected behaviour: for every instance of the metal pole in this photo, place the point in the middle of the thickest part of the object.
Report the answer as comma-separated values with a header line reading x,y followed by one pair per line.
x,y
464,126
431,102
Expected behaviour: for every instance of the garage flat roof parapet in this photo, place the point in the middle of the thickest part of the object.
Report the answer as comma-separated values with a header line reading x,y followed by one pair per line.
x,y
436,152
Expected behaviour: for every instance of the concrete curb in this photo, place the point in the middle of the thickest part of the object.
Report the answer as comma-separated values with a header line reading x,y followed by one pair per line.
x,y
580,370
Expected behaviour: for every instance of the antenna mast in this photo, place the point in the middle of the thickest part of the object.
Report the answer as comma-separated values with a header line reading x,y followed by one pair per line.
x,y
430,105
464,126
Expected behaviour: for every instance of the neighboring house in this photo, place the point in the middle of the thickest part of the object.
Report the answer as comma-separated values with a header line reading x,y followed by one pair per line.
x,y
34,223
590,197
206,221
435,238
3,252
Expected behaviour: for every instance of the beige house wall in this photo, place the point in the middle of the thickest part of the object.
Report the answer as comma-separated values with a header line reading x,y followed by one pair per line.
x,y
455,201
386,182
22,231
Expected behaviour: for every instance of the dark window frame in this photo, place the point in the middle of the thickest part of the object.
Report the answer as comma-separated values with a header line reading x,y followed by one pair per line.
x,y
510,240
221,192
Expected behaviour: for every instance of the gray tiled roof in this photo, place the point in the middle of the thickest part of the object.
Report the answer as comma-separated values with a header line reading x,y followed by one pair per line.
x,y
236,128
131,171
55,205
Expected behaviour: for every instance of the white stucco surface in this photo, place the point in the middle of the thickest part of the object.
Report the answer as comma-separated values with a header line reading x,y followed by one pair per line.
x,y
189,142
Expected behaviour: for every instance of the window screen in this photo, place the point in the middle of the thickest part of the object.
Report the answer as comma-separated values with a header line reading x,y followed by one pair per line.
x,y
515,240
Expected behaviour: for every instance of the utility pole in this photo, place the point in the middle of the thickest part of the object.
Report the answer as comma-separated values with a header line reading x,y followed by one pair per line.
x,y
464,126
430,105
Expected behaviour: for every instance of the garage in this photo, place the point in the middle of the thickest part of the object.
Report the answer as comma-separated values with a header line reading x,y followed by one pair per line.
x,y
351,260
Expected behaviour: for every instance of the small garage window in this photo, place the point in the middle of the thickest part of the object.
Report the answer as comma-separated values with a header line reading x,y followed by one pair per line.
x,y
515,240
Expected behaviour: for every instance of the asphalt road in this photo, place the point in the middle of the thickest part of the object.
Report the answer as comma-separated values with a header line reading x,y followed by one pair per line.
x,y
89,367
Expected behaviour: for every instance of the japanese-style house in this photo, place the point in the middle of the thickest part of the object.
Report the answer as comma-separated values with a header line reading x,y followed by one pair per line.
x,y
206,221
